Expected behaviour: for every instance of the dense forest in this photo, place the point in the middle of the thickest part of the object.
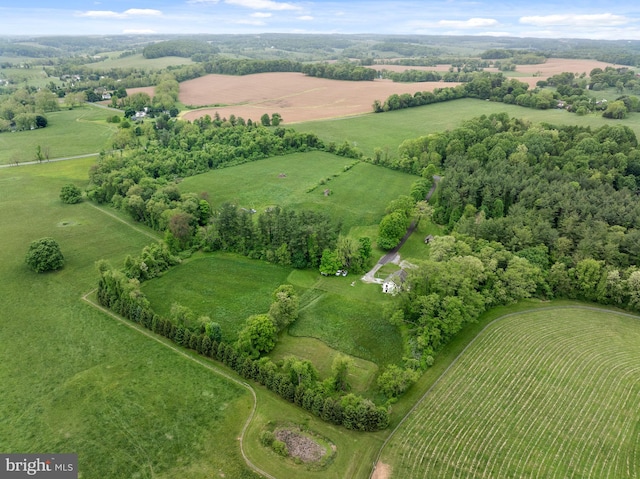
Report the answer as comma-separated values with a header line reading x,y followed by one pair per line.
x,y
531,210
179,48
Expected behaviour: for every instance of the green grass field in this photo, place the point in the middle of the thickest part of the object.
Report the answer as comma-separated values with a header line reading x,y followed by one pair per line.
x,y
23,77
73,379
392,128
358,196
69,133
551,393
227,288
137,61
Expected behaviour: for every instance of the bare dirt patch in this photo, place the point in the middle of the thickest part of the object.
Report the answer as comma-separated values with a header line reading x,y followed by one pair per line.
x,y
382,471
295,96
149,90
301,446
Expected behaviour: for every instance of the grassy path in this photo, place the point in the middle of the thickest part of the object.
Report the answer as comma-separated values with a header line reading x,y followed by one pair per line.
x,y
195,359
154,237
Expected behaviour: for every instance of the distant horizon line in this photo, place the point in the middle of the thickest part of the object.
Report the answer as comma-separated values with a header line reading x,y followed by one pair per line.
x,y
451,35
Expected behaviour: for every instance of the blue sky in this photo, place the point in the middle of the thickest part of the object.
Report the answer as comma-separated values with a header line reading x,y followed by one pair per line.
x,y
596,19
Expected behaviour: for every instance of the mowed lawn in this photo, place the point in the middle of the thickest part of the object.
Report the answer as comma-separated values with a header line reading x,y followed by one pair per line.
x,y
553,393
392,128
358,196
74,132
75,380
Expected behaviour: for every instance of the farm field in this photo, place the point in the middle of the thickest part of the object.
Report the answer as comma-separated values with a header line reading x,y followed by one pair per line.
x,y
529,74
138,61
300,98
260,185
549,393
295,96
393,127
227,288
74,379
69,133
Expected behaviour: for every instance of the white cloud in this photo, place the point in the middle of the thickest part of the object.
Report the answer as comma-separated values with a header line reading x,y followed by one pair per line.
x,y
594,21
263,4
132,12
142,12
100,14
305,17
197,2
250,22
471,23
261,15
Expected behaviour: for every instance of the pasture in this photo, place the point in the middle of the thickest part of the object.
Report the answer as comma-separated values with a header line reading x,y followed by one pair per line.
x,y
73,379
358,196
549,393
139,62
227,288
74,132
393,127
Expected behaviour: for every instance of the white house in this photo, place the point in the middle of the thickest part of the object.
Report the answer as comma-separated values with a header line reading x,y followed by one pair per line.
x,y
393,283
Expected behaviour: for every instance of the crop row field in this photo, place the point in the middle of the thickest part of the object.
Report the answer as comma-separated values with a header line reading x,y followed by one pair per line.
x,y
547,394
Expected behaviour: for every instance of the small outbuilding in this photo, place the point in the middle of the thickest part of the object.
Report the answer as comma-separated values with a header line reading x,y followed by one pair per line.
x,y
428,239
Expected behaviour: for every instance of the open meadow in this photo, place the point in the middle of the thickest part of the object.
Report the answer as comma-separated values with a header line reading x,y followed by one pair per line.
x,y
550,393
358,195
139,62
393,127
74,379
80,131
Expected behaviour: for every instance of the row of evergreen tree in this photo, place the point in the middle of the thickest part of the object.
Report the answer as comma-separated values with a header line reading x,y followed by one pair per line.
x,y
121,293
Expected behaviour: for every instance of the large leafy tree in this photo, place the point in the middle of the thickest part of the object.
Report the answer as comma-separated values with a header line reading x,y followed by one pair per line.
x,y
258,336
284,309
392,228
44,255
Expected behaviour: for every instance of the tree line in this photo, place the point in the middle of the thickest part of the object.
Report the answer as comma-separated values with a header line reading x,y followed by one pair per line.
x,y
340,71
178,48
26,108
141,180
294,380
570,93
483,85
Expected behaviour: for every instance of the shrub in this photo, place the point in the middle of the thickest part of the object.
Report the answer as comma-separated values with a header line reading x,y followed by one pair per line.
x,y
71,194
44,255
267,438
280,448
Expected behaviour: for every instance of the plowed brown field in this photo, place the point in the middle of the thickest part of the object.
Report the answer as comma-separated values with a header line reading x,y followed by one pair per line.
x,y
295,96
301,98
